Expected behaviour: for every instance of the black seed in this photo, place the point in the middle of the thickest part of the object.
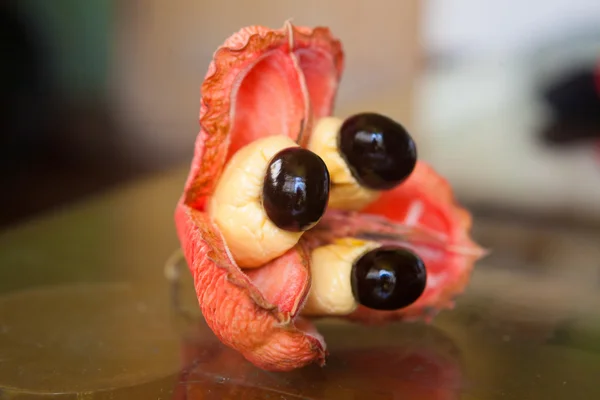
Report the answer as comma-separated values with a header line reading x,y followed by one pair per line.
x,y
388,278
379,151
296,189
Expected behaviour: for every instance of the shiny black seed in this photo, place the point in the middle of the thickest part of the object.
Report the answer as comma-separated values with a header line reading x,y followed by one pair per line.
x,y
388,278
296,189
378,151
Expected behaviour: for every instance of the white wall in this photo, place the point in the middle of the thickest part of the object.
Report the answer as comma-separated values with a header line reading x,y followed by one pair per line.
x,y
502,26
478,118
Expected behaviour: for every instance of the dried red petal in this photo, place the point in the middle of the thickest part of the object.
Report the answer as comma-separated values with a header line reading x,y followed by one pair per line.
x,y
426,202
261,82
234,305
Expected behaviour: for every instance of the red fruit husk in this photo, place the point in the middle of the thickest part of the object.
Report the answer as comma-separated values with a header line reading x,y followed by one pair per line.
x,y
425,204
281,78
261,82
266,82
422,215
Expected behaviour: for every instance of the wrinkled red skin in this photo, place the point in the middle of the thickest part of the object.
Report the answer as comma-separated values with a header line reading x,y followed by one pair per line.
x,y
265,82
449,263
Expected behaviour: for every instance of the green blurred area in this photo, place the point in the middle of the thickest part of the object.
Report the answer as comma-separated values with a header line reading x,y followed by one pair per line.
x,y
77,35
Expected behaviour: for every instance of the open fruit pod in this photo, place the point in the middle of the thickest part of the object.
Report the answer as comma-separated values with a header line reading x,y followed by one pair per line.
x,y
290,214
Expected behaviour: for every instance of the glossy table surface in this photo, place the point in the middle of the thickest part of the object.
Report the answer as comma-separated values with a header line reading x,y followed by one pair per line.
x,y
86,313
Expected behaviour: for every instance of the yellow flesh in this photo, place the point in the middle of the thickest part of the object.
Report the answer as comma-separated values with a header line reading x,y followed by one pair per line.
x,y
331,266
236,205
346,193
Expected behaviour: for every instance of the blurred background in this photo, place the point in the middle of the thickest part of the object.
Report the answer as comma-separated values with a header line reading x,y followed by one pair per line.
x,y
502,98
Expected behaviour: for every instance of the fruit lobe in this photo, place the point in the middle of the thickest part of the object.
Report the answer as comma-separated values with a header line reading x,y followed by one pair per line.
x,y
283,80
346,193
438,230
236,205
261,82
331,269
247,312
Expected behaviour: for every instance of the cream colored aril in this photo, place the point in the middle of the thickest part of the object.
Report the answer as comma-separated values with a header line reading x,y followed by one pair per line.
x,y
331,269
236,205
346,193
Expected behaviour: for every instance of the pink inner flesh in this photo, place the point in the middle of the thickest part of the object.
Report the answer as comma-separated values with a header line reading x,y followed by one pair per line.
x,y
269,101
321,87
282,280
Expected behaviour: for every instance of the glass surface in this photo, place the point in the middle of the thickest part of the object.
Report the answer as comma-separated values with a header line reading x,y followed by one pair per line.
x,y
86,313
